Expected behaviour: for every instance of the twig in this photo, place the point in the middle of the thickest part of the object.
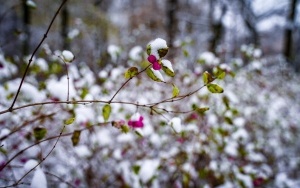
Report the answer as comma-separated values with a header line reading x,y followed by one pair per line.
x,y
34,52
126,83
60,179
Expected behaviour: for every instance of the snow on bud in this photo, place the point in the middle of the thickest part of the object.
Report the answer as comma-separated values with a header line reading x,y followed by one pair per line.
x,y
158,48
30,164
176,124
158,75
68,56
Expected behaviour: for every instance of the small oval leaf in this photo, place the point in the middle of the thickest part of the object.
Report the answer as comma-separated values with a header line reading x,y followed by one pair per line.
x,y
175,91
106,112
39,132
207,78
131,72
214,88
69,121
76,137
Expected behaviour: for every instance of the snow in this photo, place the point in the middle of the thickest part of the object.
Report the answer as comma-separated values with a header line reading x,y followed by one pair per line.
x,y
176,124
148,169
114,51
7,68
84,114
167,64
39,179
135,53
209,58
156,45
82,151
158,74
30,164
73,33
42,63
67,56
59,89
102,137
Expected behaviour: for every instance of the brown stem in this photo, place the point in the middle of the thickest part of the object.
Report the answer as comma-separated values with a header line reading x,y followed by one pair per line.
x,y
34,52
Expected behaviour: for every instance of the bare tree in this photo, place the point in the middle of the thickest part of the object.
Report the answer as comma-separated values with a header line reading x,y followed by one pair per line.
x,y
288,36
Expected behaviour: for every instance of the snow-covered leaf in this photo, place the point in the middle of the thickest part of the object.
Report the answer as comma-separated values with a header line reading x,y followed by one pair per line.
x,y
167,67
68,56
155,75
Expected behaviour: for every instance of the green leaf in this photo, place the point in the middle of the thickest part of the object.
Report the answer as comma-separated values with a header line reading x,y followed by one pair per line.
x,y
69,121
167,67
139,134
201,110
39,133
148,49
136,169
175,91
219,73
214,88
162,52
106,111
76,137
125,129
207,78
131,72
226,102
185,53
151,75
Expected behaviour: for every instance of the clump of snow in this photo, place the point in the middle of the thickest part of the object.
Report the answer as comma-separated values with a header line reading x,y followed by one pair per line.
x,y
156,45
82,151
114,52
39,179
30,164
6,69
176,124
84,114
59,89
135,53
73,33
209,59
68,56
42,64
148,169
102,137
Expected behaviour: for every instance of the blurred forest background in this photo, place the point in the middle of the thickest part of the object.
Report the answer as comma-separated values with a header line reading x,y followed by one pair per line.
x,y
219,26
248,138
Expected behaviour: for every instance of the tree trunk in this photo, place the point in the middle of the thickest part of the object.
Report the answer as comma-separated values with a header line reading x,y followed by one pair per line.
x,y
65,27
171,25
288,36
26,27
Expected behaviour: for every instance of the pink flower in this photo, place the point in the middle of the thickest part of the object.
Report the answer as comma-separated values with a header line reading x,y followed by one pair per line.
x,y
155,64
136,121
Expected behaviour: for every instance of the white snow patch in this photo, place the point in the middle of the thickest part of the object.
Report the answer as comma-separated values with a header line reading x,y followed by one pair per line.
x,y
102,137
82,151
30,164
148,169
68,56
176,124
39,179
59,89
114,52
157,74
42,64
135,53
84,114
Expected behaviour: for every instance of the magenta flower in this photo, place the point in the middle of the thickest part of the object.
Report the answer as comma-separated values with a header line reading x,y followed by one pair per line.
x,y
155,64
136,121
